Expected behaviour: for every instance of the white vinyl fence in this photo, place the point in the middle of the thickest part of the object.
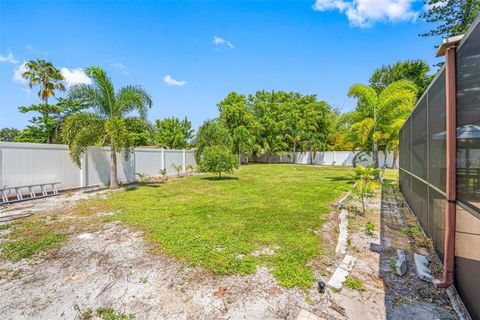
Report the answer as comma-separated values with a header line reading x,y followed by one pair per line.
x,y
335,158
33,163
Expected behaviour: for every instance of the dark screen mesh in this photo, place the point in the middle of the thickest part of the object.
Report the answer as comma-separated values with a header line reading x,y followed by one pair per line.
x,y
419,139
406,143
468,121
436,132
437,204
423,163
420,202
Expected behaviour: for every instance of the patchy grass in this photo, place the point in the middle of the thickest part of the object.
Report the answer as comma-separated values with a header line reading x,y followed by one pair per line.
x,y
36,234
218,224
4,227
391,176
105,313
26,248
355,284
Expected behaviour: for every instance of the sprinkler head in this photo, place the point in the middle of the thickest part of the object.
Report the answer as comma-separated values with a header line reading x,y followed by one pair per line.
x,y
321,287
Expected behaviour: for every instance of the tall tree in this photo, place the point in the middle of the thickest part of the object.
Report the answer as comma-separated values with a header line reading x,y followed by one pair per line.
x,y
413,70
375,113
8,134
106,125
47,125
43,74
173,133
140,131
211,133
451,17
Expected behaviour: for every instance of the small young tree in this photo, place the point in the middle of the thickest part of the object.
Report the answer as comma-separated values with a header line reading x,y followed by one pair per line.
x,y
218,159
177,168
163,173
364,178
190,168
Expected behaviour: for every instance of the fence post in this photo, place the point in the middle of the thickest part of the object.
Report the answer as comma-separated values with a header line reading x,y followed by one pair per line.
x,y
184,159
84,169
163,159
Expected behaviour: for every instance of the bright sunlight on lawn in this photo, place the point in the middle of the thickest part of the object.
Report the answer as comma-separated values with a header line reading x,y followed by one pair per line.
x,y
265,216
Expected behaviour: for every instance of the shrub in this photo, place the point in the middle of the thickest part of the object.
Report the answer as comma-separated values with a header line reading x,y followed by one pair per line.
x,y
218,159
364,181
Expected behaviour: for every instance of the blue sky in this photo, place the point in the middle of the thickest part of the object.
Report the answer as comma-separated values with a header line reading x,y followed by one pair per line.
x,y
189,55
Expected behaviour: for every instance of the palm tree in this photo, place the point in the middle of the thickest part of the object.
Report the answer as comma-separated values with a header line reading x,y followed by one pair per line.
x,y
107,124
375,114
43,73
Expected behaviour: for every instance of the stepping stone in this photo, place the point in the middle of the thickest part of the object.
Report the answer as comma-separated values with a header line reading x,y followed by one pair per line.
x,y
341,273
342,241
305,315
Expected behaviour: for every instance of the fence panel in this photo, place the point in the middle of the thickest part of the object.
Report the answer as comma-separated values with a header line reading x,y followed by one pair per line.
x,y
33,163
148,161
30,163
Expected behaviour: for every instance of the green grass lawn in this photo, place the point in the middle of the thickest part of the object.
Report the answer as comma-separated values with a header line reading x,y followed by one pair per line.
x,y
223,224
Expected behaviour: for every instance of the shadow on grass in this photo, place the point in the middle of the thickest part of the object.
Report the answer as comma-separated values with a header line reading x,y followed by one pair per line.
x,y
220,179
340,178
148,185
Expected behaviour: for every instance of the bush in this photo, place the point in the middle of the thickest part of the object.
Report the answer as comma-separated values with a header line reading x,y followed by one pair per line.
x,y
218,159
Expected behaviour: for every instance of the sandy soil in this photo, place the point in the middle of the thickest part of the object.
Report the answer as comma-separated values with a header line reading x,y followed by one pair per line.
x,y
112,265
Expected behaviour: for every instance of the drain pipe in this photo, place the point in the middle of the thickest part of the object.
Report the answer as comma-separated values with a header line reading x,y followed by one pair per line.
x,y
449,49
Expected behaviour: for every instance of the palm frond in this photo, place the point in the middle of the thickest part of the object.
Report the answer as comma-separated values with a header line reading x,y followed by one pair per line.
x,y
81,130
104,85
133,98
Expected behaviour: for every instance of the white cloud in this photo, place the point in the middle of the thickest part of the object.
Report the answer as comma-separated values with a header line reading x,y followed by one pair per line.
x,y
439,4
17,74
219,41
9,58
75,76
364,13
172,82
121,67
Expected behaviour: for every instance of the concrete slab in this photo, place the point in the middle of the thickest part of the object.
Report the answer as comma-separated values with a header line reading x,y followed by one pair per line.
x,y
305,315
421,264
401,265
341,273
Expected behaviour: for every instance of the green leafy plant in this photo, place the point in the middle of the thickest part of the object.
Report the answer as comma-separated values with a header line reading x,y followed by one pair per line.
x,y
364,178
218,159
190,168
369,228
355,284
177,168
163,173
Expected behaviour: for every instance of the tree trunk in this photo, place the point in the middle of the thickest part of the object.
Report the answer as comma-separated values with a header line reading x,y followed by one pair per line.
x,y
394,164
294,150
375,156
113,170
220,175
385,159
